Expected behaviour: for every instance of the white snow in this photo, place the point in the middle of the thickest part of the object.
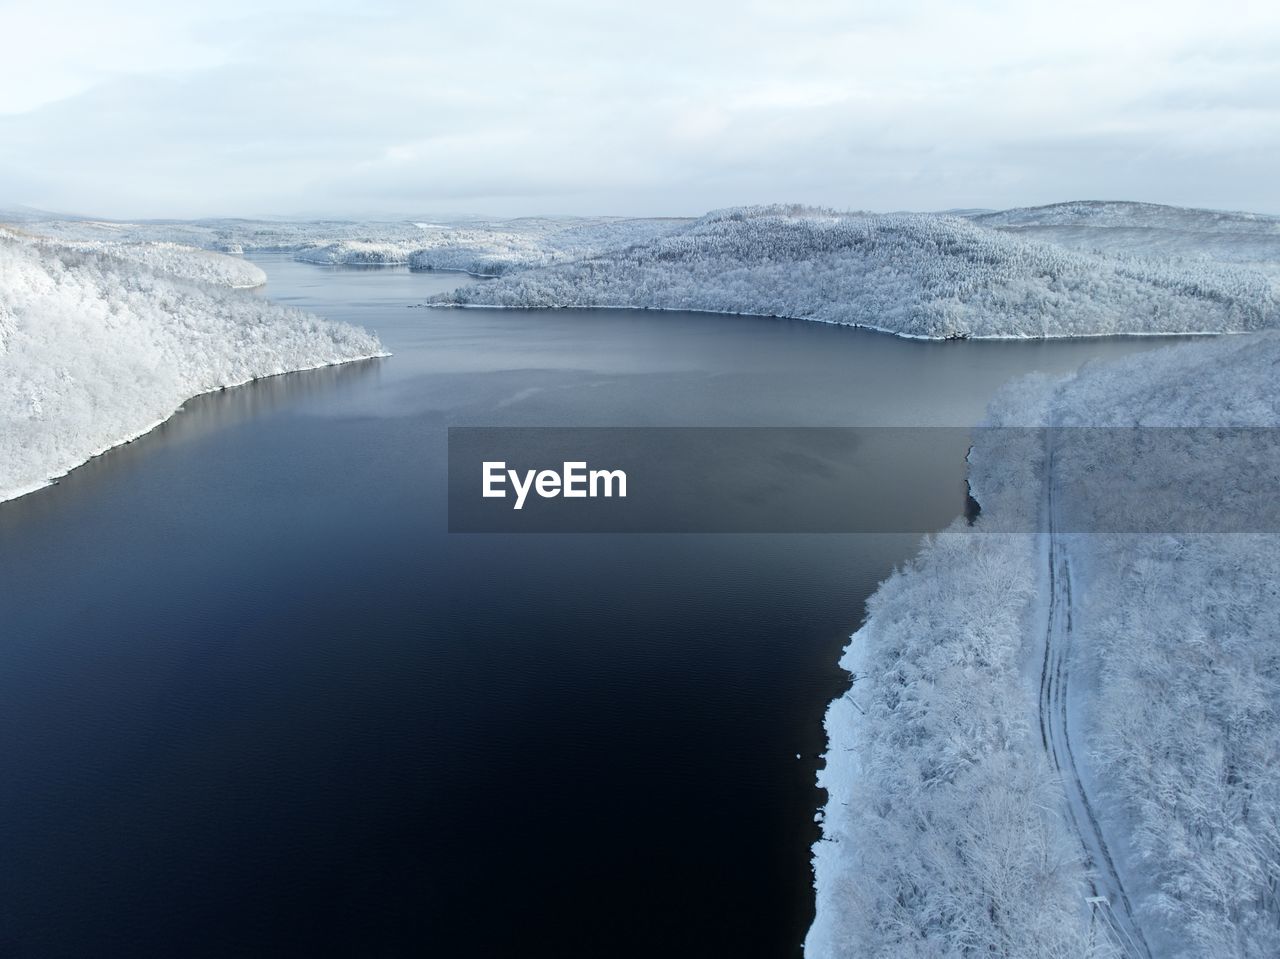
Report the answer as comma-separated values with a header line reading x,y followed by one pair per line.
x,y
485,247
507,246
98,346
1150,230
913,274
950,829
1074,269
1179,707
358,253
1127,214
943,832
177,260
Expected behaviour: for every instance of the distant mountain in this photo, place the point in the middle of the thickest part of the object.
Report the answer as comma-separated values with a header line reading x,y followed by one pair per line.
x,y
1149,229
1125,214
1067,269
921,275
17,213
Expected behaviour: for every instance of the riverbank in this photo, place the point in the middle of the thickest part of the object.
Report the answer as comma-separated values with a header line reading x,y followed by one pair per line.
x,y
101,346
1068,756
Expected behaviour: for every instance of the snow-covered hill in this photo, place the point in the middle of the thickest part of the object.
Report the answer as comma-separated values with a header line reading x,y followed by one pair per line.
x,y
943,833
1041,720
1149,229
911,274
177,260
1082,268
473,245
494,248
1121,214
98,346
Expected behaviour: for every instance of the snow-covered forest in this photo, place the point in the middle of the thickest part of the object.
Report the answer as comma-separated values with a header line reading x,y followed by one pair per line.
x,y
472,245
1040,720
174,259
495,249
913,274
943,834
100,343
1149,230
1071,269
1123,214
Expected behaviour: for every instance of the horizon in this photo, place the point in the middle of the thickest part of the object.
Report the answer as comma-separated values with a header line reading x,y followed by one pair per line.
x,y
37,214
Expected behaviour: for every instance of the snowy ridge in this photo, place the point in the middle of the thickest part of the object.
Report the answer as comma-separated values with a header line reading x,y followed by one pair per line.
x,y
1085,268
1113,214
913,274
1150,230
1147,666
483,247
174,259
493,249
97,348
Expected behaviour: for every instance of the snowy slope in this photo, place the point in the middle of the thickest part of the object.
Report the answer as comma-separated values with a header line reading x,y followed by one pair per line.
x,y
230,235
1146,665
1121,214
473,245
915,275
1083,268
1179,706
98,347
177,260
943,834
496,247
1148,229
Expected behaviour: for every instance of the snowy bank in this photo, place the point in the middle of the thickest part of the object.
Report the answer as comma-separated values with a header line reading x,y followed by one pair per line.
x,y
996,766
99,346
912,274
942,835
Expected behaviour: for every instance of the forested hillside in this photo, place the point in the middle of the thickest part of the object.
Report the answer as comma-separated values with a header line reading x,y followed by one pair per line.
x,y
911,274
1067,743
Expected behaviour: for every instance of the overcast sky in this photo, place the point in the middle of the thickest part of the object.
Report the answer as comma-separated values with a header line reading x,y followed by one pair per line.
x,y
141,109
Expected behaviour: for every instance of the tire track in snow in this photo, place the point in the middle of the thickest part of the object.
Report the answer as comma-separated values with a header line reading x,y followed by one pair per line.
x,y
1055,675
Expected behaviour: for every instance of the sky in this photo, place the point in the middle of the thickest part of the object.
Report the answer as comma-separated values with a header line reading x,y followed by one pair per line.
x,y
377,108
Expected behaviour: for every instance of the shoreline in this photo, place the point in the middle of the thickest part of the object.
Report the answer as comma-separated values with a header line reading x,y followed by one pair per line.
x,y
17,492
1000,338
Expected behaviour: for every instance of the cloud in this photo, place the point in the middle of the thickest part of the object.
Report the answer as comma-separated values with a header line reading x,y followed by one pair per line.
x,y
387,107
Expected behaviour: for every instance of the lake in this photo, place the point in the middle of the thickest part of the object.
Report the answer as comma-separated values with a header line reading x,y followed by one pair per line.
x,y
256,701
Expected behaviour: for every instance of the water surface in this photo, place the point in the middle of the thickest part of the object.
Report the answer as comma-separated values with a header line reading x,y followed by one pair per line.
x,y
255,701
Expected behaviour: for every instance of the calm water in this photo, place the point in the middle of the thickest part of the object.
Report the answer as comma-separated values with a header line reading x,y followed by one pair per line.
x,y
254,700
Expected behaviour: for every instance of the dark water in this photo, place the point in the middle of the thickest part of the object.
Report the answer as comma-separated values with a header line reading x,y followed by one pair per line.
x,y
254,701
